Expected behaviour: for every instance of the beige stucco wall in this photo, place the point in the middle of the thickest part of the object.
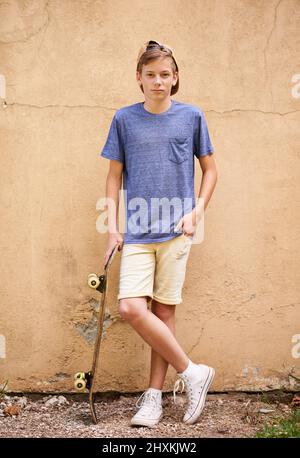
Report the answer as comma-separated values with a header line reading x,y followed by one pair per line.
x,y
66,67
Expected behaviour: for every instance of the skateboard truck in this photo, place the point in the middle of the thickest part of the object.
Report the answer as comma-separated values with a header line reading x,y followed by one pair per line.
x,y
82,380
96,282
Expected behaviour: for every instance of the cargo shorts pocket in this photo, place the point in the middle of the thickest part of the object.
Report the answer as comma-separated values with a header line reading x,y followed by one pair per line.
x,y
178,149
186,243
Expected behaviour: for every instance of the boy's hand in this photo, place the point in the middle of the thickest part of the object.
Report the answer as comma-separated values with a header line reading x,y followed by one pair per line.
x,y
188,223
113,239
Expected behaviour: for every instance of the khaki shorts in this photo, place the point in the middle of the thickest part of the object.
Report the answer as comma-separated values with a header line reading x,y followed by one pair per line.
x,y
156,270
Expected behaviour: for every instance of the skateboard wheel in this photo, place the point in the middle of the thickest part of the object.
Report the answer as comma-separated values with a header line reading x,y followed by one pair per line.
x,y
79,375
80,385
93,281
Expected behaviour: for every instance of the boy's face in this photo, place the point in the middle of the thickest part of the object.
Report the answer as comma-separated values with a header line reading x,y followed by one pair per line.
x,y
157,79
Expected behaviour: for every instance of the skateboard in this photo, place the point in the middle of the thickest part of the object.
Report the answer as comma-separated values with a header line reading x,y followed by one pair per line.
x,y
86,380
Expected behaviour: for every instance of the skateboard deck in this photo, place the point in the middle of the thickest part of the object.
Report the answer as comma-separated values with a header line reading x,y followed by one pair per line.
x,y
86,380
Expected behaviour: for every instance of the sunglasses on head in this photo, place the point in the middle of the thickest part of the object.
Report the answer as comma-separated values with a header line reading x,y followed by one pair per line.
x,y
153,44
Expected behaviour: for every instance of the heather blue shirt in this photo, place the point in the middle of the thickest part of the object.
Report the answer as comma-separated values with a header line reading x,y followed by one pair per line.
x,y
157,151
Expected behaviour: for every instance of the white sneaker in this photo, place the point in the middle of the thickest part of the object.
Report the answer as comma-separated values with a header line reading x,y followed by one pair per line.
x,y
150,411
196,388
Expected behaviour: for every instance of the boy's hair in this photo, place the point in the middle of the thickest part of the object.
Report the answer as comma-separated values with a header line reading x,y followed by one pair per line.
x,y
153,50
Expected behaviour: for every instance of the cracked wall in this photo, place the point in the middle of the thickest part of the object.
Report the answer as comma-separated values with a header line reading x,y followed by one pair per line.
x,y
65,68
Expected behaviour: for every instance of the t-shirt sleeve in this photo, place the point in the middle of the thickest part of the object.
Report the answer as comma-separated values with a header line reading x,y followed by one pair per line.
x,y
113,148
201,141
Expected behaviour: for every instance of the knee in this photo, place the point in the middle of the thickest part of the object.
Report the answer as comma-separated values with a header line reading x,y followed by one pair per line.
x,y
164,312
131,308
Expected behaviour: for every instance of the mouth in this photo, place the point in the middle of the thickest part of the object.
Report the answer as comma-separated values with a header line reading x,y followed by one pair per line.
x,y
157,90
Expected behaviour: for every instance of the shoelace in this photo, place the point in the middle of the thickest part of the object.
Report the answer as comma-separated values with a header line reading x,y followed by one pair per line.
x,y
147,399
190,394
177,387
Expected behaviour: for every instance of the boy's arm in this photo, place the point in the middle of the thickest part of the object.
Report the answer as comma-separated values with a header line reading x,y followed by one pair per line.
x,y
208,183
113,186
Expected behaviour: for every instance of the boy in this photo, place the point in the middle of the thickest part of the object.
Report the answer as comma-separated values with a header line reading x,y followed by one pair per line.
x,y
152,145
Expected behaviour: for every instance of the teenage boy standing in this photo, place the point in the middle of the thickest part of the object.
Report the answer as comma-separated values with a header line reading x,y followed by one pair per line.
x,y
151,145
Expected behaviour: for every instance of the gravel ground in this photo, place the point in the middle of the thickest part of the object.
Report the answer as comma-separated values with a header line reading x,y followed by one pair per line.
x,y
224,415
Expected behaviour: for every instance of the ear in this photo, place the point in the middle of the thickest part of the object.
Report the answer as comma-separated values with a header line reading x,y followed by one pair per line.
x,y
176,75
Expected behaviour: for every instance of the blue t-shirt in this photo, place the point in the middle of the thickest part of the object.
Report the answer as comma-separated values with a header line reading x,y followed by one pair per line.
x,y
157,151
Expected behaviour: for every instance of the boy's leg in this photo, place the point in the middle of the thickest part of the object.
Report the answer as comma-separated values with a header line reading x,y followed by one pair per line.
x,y
153,331
159,366
171,262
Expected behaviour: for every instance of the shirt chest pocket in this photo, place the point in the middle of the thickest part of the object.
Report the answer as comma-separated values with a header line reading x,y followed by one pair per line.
x,y
178,149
